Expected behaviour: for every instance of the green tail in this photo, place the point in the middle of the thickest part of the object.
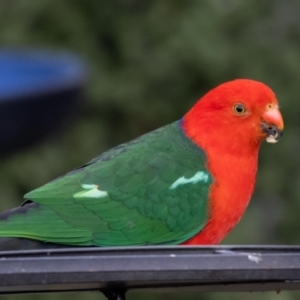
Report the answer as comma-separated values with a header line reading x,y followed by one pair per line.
x,y
17,229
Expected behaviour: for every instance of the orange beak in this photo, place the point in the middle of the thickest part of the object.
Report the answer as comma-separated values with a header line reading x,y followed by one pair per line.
x,y
273,117
272,124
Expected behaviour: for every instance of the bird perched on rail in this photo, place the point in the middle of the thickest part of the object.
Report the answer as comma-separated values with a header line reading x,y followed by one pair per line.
x,y
188,182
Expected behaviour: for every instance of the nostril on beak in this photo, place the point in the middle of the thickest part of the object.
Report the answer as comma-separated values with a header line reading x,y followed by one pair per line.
x,y
272,130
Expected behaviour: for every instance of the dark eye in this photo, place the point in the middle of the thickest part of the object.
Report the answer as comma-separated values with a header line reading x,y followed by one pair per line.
x,y
239,109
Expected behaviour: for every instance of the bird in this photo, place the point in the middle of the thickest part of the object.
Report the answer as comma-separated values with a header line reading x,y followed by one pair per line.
x,y
186,183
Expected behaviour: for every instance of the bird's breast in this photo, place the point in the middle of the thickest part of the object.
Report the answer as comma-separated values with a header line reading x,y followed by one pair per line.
x,y
230,193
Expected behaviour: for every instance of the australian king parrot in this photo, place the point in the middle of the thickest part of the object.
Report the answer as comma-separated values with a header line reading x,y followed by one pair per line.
x,y
188,182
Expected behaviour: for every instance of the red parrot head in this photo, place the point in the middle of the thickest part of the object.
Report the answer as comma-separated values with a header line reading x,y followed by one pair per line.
x,y
236,114
229,123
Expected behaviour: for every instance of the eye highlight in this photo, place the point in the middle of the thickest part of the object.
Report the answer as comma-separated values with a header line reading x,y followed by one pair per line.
x,y
239,109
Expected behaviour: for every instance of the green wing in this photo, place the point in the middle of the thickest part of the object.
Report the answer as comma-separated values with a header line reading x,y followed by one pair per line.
x,y
152,190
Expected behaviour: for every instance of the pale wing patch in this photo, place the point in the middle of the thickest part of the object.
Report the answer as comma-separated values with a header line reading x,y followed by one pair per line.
x,y
199,176
92,191
89,186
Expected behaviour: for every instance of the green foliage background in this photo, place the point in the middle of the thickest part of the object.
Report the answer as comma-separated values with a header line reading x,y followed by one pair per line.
x,y
149,62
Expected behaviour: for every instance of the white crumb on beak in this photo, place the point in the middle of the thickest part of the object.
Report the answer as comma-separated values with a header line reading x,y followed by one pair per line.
x,y
271,139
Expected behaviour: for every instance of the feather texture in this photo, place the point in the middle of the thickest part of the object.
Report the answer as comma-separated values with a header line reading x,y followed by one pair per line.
x,y
152,190
187,182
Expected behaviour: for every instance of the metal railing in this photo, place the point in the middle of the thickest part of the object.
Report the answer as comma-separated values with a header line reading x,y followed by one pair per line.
x,y
114,271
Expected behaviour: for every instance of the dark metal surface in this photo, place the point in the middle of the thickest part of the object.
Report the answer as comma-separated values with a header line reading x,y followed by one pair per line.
x,y
124,269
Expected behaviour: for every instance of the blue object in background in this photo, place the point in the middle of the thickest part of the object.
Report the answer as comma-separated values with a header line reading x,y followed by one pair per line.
x,y
39,90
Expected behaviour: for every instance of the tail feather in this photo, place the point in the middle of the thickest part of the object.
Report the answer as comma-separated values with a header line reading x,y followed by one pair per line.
x,y
11,243
15,243
23,209
33,226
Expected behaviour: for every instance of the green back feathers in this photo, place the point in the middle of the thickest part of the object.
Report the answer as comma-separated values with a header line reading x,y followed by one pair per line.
x,y
152,190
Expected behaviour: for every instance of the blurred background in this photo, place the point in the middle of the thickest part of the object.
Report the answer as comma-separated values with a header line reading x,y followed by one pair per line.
x,y
144,64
